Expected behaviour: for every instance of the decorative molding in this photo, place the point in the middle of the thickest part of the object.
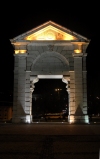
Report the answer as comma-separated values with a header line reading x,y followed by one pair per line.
x,y
50,47
77,54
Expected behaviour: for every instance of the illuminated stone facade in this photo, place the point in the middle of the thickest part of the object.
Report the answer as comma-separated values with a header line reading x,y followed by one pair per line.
x,y
50,51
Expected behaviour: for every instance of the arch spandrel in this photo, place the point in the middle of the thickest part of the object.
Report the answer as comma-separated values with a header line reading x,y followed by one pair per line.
x,y
50,63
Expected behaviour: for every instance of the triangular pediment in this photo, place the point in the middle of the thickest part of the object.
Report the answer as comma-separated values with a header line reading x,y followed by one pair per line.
x,y
50,31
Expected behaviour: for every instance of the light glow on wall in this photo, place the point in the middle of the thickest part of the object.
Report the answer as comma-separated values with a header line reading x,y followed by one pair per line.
x,y
28,119
77,51
16,51
20,51
71,119
86,119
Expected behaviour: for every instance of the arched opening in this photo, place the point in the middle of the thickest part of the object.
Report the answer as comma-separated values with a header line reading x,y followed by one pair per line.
x,y
50,101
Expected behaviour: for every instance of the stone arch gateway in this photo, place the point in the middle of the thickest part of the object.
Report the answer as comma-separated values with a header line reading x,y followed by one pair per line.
x,y
50,51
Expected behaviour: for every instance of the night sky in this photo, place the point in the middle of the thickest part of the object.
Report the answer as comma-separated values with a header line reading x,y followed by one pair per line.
x,y
81,18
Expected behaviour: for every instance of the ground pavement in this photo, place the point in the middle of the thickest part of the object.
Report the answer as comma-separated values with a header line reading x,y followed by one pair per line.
x,y
49,141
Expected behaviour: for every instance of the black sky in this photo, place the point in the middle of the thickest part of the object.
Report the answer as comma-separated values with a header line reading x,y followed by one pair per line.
x,y
83,18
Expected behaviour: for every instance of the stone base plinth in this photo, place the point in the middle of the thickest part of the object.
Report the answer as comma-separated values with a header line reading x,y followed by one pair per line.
x,y
78,119
22,119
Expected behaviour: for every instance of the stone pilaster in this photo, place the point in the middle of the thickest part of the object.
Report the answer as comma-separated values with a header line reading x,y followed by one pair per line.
x,y
78,84
78,76
19,89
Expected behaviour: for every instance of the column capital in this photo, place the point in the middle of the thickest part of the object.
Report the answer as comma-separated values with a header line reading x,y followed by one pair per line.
x,y
66,78
31,90
34,79
68,90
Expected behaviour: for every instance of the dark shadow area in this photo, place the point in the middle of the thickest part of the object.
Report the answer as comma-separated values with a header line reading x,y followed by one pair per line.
x,y
6,65
93,76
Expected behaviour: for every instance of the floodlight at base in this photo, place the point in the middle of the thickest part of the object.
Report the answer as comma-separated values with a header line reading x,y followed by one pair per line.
x,y
28,118
78,119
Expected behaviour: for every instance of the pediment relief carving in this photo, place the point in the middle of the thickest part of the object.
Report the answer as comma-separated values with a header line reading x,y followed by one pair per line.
x,y
50,33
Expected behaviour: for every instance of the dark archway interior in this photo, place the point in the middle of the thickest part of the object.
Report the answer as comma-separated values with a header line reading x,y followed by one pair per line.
x,y
50,100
